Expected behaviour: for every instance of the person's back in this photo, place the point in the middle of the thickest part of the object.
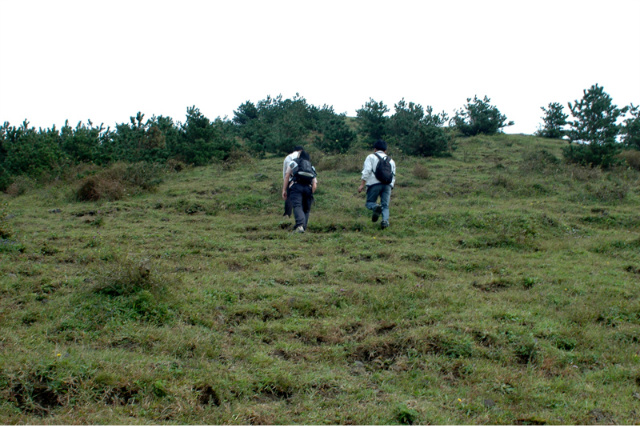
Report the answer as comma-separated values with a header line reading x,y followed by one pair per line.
x,y
299,189
375,188
285,166
371,165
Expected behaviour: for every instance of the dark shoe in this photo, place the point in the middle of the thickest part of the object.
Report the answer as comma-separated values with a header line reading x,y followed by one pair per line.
x,y
377,211
384,224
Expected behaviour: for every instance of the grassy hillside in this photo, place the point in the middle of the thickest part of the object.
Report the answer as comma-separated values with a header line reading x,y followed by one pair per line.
x,y
504,291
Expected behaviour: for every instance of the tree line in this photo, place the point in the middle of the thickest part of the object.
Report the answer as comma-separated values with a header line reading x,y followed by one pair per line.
x,y
276,125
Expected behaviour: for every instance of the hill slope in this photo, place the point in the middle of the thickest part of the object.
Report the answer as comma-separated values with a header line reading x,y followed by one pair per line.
x,y
505,291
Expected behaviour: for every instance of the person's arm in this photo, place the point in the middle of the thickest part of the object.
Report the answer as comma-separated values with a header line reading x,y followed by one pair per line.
x,y
285,182
314,185
285,165
366,170
362,184
393,181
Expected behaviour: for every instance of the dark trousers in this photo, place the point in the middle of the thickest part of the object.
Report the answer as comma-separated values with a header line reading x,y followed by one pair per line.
x,y
301,198
382,191
288,208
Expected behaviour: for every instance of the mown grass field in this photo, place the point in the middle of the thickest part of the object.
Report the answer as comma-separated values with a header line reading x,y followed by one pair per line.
x,y
505,291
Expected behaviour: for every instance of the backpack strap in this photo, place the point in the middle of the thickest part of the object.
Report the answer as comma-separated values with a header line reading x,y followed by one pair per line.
x,y
379,159
376,154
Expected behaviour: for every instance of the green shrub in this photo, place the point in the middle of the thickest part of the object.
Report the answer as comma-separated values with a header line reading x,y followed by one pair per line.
x,y
337,137
479,117
405,415
127,278
604,155
274,125
201,140
5,178
42,388
84,143
26,151
527,351
126,290
416,132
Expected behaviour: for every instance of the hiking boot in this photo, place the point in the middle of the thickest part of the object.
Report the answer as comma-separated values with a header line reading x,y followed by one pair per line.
x,y
384,224
300,229
377,211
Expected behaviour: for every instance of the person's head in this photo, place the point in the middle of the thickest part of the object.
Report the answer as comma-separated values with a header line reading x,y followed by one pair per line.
x,y
380,145
304,155
298,148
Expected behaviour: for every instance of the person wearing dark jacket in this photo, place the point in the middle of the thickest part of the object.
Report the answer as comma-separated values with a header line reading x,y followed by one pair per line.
x,y
288,208
299,192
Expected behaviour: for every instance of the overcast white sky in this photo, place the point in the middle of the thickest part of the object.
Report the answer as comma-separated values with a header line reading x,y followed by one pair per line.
x,y
106,60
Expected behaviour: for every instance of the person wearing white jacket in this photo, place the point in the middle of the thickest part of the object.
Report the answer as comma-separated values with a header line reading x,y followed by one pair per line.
x,y
375,188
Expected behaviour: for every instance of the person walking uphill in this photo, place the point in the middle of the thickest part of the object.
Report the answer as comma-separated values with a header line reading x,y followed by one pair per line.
x,y
285,166
298,185
379,175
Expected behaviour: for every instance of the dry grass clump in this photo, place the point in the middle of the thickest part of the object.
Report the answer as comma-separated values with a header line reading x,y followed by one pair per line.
x,y
582,173
100,187
126,278
118,181
538,161
4,227
20,185
421,171
343,163
236,158
632,158
608,191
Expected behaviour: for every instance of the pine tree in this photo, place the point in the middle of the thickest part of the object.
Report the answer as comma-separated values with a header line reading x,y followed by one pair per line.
x,y
595,118
372,120
631,129
595,128
554,121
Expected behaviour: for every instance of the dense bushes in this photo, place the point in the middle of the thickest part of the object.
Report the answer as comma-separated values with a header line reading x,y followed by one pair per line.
x,y
479,116
45,153
25,151
416,132
277,125
410,129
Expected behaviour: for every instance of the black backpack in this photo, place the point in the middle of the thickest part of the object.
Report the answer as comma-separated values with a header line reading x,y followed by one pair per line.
x,y
384,171
304,173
